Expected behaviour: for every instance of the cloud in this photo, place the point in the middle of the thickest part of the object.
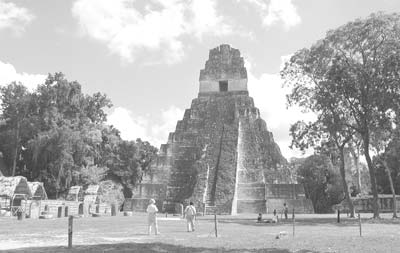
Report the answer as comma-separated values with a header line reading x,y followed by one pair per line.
x,y
130,126
14,17
270,97
8,74
277,11
134,126
133,29
168,122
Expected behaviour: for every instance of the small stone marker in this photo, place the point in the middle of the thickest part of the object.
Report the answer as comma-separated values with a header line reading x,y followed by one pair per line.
x,y
59,212
20,214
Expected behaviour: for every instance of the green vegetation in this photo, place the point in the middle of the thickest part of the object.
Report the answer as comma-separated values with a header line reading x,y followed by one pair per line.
x,y
350,80
58,135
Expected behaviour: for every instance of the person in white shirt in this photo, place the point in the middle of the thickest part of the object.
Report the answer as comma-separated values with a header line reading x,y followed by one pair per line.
x,y
190,214
152,216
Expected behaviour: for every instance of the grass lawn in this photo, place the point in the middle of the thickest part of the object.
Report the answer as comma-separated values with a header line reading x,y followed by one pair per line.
x,y
313,233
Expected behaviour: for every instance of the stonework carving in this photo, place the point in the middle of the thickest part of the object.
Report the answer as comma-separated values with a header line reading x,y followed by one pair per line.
x,y
223,71
224,63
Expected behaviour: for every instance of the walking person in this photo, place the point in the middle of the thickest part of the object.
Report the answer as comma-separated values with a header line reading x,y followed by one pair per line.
x,y
152,216
190,215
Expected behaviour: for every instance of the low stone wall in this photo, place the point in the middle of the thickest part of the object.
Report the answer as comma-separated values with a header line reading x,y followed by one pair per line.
x,y
299,205
385,202
284,191
62,208
57,208
150,190
140,205
251,206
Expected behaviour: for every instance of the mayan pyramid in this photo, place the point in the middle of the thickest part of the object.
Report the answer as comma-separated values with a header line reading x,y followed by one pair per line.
x,y
221,154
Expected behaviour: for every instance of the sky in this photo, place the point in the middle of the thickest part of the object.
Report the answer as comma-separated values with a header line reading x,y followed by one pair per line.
x,y
146,55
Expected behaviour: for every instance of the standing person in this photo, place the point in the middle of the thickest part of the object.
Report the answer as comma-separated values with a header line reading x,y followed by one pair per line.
x,y
190,215
152,216
285,210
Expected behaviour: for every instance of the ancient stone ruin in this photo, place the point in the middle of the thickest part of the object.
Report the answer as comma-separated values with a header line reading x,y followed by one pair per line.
x,y
221,155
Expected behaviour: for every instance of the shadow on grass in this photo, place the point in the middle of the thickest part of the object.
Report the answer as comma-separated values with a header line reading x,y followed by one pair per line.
x,y
344,221
149,247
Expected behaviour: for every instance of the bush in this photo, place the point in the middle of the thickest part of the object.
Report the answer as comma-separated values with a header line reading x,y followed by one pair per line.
x,y
112,193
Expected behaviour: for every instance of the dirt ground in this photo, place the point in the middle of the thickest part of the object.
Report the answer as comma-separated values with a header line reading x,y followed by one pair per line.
x,y
313,233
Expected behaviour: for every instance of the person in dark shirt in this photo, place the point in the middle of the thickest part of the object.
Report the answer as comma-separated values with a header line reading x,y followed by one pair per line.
x,y
259,218
285,210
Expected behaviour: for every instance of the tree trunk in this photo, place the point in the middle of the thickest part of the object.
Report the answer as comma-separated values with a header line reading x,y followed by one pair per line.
x,y
356,161
58,181
391,188
372,175
346,189
14,166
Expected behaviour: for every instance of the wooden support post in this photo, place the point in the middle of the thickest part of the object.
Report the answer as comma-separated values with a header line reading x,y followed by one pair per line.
x,y
338,216
359,223
294,221
70,222
216,225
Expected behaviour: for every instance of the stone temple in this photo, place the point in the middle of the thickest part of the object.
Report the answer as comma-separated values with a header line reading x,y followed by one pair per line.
x,y
221,155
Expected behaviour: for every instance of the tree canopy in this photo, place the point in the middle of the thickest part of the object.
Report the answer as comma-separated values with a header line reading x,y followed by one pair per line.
x,y
352,76
58,135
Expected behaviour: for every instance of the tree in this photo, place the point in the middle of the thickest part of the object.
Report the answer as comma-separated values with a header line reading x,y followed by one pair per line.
x,y
321,183
387,162
392,159
357,66
16,107
354,150
328,137
57,135
92,174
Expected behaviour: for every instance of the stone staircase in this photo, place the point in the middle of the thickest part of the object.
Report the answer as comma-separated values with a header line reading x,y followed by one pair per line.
x,y
209,207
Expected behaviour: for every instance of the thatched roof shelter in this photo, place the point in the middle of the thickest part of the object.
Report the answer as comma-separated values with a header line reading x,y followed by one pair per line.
x,y
75,193
9,186
37,190
93,189
92,199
